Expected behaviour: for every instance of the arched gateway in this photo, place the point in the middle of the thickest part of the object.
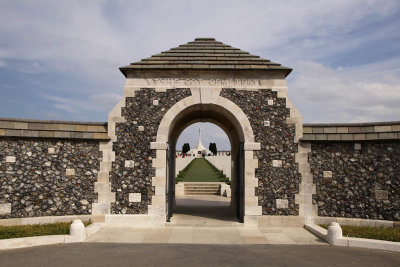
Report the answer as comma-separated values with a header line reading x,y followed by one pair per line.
x,y
204,80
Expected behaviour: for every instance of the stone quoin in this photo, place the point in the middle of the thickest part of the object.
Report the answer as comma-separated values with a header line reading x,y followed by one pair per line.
x,y
122,172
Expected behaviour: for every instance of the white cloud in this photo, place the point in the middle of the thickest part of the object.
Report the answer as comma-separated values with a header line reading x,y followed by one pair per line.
x,y
89,40
98,102
353,94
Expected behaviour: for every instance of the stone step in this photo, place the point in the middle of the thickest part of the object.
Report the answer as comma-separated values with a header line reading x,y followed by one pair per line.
x,y
202,187
200,193
206,184
202,190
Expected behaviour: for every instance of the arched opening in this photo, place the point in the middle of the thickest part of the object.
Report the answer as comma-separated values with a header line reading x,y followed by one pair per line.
x,y
203,177
230,125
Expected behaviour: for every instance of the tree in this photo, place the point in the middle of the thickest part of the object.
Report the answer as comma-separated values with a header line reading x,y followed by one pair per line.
x,y
213,148
185,148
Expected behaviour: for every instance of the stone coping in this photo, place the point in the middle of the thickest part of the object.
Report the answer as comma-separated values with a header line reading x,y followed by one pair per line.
x,y
10,127
351,131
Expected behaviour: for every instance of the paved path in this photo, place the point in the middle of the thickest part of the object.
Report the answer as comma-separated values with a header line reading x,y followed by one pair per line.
x,y
205,220
205,235
199,211
106,254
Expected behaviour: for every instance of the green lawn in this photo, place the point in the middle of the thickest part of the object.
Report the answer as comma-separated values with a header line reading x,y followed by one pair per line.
x,y
16,231
380,233
201,170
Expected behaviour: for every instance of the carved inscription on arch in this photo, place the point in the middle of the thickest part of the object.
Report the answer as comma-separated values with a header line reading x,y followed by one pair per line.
x,y
205,82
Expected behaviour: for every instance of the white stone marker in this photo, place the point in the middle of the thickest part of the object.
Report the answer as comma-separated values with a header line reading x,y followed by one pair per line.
x,y
5,209
327,174
135,197
10,159
270,102
334,233
141,128
129,164
276,163
51,150
77,229
282,203
155,102
70,172
267,123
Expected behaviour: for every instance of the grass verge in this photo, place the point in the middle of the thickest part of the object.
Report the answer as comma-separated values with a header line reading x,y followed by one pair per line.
x,y
16,231
379,233
201,170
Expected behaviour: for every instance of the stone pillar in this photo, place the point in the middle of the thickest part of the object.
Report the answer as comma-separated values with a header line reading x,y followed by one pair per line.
x,y
334,233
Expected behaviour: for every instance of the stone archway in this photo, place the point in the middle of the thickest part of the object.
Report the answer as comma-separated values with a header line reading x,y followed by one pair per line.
x,y
131,185
205,104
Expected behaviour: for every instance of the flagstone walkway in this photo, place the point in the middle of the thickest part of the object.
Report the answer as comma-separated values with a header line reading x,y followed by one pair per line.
x,y
205,220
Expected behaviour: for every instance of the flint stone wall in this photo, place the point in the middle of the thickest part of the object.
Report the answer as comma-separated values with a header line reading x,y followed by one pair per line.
x,y
279,181
142,116
357,180
47,177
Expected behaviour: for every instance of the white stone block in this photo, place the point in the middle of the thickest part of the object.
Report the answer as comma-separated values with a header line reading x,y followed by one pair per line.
x,y
129,163
77,229
251,222
101,208
282,203
267,123
70,172
102,187
270,102
253,210
155,102
10,159
135,197
327,174
156,210
179,189
334,233
276,163
141,128
5,209
252,146
357,146
158,145
51,150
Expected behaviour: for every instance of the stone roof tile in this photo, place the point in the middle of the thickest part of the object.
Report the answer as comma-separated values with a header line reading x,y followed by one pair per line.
x,y
205,53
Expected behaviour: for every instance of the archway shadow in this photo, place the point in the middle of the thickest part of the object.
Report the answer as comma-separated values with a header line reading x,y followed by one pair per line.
x,y
193,207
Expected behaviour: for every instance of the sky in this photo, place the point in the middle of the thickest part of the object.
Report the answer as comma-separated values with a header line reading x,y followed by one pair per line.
x,y
59,59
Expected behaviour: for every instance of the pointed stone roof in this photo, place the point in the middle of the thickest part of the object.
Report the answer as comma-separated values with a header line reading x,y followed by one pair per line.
x,y
205,54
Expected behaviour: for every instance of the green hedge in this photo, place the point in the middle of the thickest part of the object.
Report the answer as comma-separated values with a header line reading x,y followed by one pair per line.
x,y
16,231
379,233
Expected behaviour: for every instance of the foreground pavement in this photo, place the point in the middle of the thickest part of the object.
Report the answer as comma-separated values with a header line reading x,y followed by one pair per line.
x,y
206,235
107,254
